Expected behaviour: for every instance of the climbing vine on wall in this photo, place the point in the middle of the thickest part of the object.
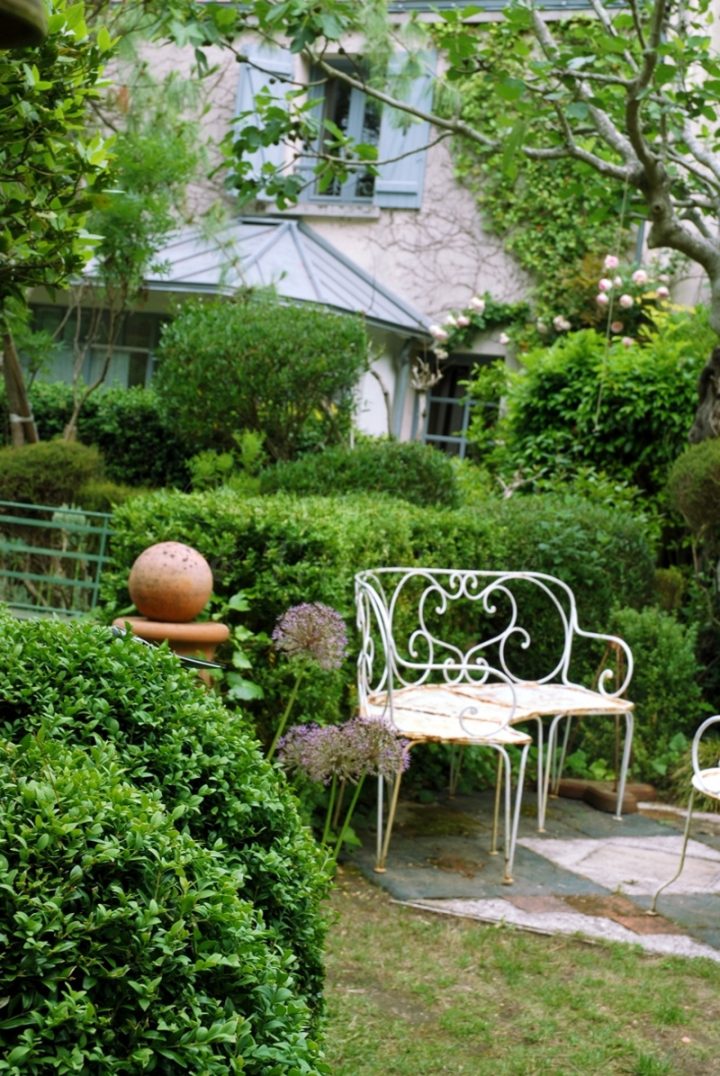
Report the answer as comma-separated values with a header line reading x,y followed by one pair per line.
x,y
550,214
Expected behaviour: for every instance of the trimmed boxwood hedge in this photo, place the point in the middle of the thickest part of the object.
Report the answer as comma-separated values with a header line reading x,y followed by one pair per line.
x,y
410,470
75,684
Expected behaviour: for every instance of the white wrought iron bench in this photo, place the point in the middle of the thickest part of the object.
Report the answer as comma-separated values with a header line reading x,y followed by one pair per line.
x,y
464,657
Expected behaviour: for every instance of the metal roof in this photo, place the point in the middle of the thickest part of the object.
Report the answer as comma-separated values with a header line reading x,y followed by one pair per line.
x,y
285,253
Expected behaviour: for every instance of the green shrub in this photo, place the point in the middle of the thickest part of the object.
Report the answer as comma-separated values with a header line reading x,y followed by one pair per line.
x,y
83,687
624,411
410,470
102,494
665,688
127,944
694,488
124,424
286,371
281,551
50,472
141,447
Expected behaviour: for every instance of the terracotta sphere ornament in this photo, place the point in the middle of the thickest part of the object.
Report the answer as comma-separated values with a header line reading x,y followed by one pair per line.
x,y
170,581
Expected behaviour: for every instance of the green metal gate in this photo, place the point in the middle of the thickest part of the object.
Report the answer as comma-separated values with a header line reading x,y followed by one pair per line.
x,y
51,557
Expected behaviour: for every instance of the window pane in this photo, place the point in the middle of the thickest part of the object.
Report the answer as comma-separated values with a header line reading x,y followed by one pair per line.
x,y
370,133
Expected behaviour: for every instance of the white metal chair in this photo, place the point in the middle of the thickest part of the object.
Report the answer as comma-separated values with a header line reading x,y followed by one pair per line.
x,y
705,781
414,673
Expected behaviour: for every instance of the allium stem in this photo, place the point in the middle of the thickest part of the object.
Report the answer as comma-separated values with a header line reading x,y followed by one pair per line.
x,y
338,805
284,719
348,816
330,811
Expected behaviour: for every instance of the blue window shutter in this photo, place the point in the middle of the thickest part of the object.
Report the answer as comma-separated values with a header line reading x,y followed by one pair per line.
x,y
399,185
275,64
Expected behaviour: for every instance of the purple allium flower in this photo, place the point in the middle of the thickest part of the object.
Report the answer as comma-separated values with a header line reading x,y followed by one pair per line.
x,y
348,751
312,630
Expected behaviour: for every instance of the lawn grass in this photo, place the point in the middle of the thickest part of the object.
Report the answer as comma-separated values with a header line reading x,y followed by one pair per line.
x,y
412,993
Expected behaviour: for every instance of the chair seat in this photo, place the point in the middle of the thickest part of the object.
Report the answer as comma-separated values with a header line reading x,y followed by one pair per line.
x,y
443,713
432,711
708,782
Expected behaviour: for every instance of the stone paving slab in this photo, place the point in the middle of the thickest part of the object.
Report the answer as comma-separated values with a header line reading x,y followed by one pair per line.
x,y
591,926
588,874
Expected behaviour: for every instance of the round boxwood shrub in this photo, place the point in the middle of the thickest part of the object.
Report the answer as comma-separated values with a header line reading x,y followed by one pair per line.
x,y
126,945
694,487
412,471
82,686
50,472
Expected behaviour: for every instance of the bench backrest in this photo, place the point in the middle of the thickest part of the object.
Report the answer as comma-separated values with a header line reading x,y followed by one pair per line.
x,y
430,625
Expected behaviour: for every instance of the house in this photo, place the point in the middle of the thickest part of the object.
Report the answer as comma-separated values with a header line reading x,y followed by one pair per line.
x,y
404,247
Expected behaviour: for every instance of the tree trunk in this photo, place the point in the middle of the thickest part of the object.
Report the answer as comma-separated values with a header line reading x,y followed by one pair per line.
x,y
22,424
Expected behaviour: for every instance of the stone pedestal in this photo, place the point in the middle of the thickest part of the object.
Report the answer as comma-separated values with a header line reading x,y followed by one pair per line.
x,y
193,640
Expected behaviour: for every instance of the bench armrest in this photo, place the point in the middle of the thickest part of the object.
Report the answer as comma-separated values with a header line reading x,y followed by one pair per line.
x,y
606,674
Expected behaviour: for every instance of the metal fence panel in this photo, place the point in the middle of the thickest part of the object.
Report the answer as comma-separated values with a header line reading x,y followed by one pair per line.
x,y
51,557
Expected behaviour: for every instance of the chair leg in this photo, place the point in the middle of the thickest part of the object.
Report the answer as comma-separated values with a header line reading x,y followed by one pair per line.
x,y
383,851
625,765
456,759
510,859
496,808
652,910
560,764
549,764
540,777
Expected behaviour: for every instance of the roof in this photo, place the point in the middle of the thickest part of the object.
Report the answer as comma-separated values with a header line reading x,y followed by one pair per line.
x,y
286,253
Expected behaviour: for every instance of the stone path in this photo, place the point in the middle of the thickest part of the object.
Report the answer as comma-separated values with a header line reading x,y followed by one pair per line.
x,y
588,874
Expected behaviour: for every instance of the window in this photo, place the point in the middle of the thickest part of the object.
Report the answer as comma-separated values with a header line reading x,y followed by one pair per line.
x,y
132,361
449,410
358,117
399,182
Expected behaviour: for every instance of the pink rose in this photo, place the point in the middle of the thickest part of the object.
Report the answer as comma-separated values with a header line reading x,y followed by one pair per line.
x,y
611,262
616,327
462,321
662,292
601,299
628,341
640,277
604,284
626,301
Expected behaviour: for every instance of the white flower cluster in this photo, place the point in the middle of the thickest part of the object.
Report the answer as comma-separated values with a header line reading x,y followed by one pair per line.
x,y
626,301
441,333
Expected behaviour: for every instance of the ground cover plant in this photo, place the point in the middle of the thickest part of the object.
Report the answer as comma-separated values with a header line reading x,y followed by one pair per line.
x,y
414,994
177,758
